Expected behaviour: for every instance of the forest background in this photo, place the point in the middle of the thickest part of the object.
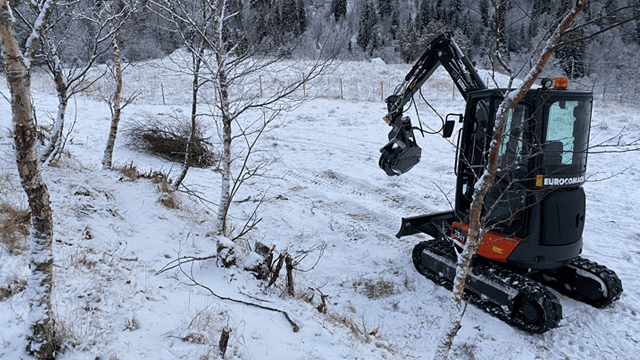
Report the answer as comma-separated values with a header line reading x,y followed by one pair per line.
x,y
395,31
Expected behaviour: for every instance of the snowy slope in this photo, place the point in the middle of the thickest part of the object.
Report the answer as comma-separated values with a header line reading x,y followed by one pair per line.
x,y
326,197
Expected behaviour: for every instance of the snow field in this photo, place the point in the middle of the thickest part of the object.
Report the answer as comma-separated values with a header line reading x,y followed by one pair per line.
x,y
326,197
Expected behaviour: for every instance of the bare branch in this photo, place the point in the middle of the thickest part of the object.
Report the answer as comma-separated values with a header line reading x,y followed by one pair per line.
x,y
190,276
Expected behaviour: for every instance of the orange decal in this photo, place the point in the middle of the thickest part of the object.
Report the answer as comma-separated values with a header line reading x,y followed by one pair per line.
x,y
494,246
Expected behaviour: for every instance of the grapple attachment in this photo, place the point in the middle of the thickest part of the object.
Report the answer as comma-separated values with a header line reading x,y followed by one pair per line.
x,y
402,152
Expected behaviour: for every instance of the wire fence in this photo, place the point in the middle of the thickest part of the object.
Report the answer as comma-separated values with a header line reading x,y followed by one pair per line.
x,y
356,82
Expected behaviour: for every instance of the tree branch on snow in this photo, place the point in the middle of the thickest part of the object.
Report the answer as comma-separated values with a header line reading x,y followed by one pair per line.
x,y
191,278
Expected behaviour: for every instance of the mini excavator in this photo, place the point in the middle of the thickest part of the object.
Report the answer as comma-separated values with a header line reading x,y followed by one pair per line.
x,y
533,216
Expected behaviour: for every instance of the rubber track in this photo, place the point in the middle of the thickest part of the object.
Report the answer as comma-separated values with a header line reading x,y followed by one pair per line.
x,y
527,288
606,275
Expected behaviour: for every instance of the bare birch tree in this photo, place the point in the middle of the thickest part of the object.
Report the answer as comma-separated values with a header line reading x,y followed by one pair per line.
x,y
71,74
41,340
486,182
555,38
114,105
115,18
202,18
236,56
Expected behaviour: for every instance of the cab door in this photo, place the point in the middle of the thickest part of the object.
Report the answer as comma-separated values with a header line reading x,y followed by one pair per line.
x,y
505,204
562,168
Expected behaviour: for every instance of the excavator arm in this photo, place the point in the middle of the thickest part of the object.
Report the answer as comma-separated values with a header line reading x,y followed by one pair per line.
x,y
402,152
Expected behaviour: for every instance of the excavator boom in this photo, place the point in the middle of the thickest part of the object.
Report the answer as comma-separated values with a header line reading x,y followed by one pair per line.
x,y
402,152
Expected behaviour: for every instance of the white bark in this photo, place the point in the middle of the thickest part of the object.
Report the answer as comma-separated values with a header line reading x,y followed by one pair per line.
x,y
116,109
41,340
225,185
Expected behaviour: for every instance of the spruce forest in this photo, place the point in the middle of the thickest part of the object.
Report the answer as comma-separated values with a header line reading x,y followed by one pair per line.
x,y
605,58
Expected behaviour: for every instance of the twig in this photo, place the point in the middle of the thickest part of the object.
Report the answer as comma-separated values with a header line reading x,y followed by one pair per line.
x,y
182,260
276,272
305,253
5,97
253,297
322,308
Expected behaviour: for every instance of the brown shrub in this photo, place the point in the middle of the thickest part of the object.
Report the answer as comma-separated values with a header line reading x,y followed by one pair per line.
x,y
167,136
13,287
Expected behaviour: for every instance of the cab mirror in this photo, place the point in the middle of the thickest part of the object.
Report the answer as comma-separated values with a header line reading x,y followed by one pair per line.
x,y
447,130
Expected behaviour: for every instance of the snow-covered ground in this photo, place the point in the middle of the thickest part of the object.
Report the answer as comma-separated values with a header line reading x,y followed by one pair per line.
x,y
326,198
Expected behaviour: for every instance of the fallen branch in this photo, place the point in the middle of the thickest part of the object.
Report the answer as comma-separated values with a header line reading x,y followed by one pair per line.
x,y
295,326
182,260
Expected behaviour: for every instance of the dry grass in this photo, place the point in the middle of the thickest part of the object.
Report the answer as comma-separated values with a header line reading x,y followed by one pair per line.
x,y
168,198
465,351
356,331
202,327
13,287
130,172
361,333
14,228
376,289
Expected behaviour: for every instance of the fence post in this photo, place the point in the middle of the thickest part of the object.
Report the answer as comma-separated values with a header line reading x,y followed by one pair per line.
x,y
260,80
341,93
304,86
162,88
381,90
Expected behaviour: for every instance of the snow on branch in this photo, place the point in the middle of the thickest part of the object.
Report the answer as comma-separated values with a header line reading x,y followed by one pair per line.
x,y
41,21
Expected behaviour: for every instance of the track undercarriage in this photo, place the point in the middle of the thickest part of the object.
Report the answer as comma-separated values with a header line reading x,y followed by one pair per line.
x,y
519,298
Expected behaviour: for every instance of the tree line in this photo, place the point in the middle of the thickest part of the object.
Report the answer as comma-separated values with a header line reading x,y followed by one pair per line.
x,y
394,30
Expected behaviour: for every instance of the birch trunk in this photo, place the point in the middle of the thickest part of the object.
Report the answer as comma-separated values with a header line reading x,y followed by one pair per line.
x,y
116,109
484,185
53,147
225,186
223,87
195,86
41,340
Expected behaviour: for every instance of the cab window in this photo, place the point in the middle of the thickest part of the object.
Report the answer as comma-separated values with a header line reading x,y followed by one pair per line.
x,y
567,131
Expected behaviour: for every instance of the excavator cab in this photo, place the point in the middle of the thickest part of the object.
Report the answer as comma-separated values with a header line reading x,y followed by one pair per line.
x,y
541,167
